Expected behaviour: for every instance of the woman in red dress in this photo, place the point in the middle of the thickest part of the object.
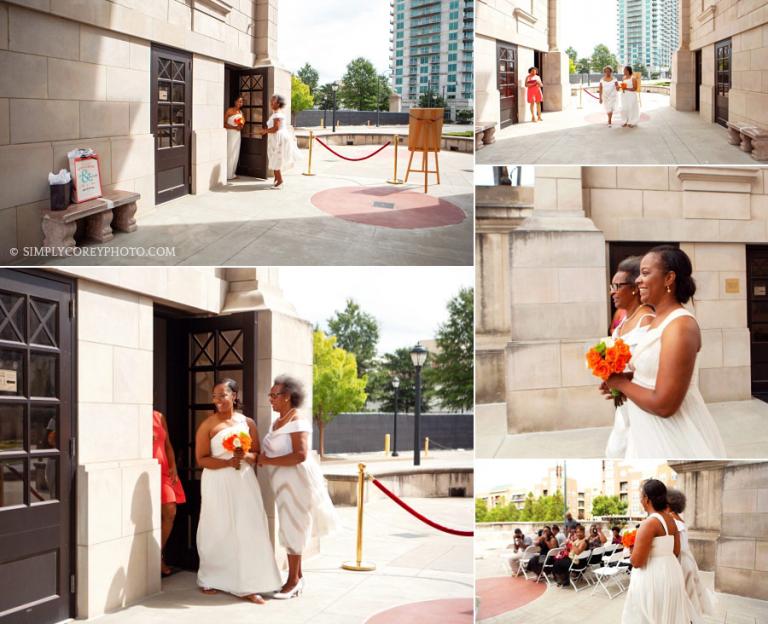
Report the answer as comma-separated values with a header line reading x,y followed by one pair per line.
x,y
171,492
534,85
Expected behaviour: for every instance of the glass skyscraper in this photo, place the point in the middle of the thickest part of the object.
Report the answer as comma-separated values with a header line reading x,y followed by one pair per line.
x,y
432,51
647,33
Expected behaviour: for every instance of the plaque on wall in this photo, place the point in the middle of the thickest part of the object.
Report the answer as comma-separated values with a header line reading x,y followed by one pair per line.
x,y
7,380
759,291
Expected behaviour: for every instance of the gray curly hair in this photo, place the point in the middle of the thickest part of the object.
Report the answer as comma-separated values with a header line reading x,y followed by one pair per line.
x,y
294,387
676,500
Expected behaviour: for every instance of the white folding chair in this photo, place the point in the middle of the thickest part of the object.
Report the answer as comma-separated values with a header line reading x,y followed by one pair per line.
x,y
548,566
529,553
578,569
611,572
598,552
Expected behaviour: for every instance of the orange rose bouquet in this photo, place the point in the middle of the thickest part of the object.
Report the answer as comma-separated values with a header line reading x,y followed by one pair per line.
x,y
628,539
239,120
609,357
237,441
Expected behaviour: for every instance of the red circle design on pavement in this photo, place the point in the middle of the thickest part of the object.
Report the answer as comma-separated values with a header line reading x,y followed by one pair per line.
x,y
387,207
501,594
617,118
447,611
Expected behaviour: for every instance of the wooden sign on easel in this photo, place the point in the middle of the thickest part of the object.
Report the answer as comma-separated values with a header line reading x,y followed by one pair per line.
x,y
425,132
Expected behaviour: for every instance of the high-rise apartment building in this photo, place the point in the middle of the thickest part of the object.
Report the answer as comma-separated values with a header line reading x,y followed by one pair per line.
x,y
432,51
647,32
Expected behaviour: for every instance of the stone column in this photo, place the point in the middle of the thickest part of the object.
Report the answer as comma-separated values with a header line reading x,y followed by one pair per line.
x,y
555,72
284,345
683,88
500,209
265,41
558,307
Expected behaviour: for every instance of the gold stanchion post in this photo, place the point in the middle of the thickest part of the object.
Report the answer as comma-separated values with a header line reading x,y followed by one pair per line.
x,y
309,165
426,447
395,179
359,565
386,444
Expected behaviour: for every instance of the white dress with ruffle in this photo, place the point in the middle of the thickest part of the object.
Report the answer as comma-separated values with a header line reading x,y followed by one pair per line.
x,y
282,151
236,554
701,598
304,507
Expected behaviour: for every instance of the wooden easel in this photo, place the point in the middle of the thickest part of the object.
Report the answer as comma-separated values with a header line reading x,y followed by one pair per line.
x,y
425,132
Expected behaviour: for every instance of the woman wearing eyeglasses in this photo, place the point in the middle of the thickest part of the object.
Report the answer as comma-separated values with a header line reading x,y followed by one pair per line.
x,y
301,495
637,317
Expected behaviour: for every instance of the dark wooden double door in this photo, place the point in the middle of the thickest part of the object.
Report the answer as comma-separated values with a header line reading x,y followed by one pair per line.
x,y
171,120
198,352
36,448
506,81
723,62
757,313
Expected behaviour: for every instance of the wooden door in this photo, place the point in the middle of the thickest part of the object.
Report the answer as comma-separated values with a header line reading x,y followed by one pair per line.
x,y
722,80
698,80
757,316
37,451
171,119
506,54
252,85
202,351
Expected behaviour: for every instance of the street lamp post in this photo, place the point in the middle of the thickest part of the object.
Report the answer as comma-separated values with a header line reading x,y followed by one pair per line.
x,y
378,99
334,88
418,357
395,385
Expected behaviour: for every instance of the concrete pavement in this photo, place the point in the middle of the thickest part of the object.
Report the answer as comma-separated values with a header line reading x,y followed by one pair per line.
x,y
576,136
741,423
414,563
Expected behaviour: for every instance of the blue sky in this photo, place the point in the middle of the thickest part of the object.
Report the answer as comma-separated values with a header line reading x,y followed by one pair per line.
x,y
585,23
330,33
409,302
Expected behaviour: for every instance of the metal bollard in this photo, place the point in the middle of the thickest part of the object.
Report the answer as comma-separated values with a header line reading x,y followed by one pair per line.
x,y
386,444
309,164
426,447
359,565
395,179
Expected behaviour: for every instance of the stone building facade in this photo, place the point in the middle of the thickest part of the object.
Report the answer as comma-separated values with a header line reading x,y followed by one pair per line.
x,y
510,37
721,65
545,258
726,513
133,329
92,73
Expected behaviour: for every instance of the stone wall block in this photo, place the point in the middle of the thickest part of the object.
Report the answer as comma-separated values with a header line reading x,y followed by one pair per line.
x,y
73,80
23,75
5,122
104,47
127,85
24,173
104,119
531,366
132,157
39,33
703,205
44,120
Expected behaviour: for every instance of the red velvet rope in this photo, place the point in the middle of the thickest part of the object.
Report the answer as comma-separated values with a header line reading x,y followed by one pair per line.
x,y
415,513
590,94
352,159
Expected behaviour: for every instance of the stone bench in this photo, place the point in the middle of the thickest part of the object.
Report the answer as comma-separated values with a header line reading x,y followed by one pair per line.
x,y
97,217
758,137
736,135
485,134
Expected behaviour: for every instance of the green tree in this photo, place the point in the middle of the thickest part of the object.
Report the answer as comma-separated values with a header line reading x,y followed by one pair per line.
x,y
583,65
309,76
301,99
397,364
451,374
602,57
608,506
336,388
572,54
431,99
571,66
357,332
481,510
359,86
324,97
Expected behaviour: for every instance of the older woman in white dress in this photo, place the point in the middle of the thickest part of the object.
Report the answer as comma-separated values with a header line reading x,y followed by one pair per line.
x,y
282,151
609,96
630,103
304,508
656,593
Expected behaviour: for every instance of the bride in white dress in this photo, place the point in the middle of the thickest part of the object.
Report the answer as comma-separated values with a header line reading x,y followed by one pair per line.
x,y
702,599
667,414
626,297
656,593
234,123
630,103
236,554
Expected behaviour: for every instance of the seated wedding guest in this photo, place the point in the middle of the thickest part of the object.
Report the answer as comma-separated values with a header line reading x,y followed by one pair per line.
x,y
596,537
545,541
558,535
561,566
616,535
515,550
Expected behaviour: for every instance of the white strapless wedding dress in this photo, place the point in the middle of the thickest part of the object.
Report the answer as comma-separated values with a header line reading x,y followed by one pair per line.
x,y
689,433
236,554
656,593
